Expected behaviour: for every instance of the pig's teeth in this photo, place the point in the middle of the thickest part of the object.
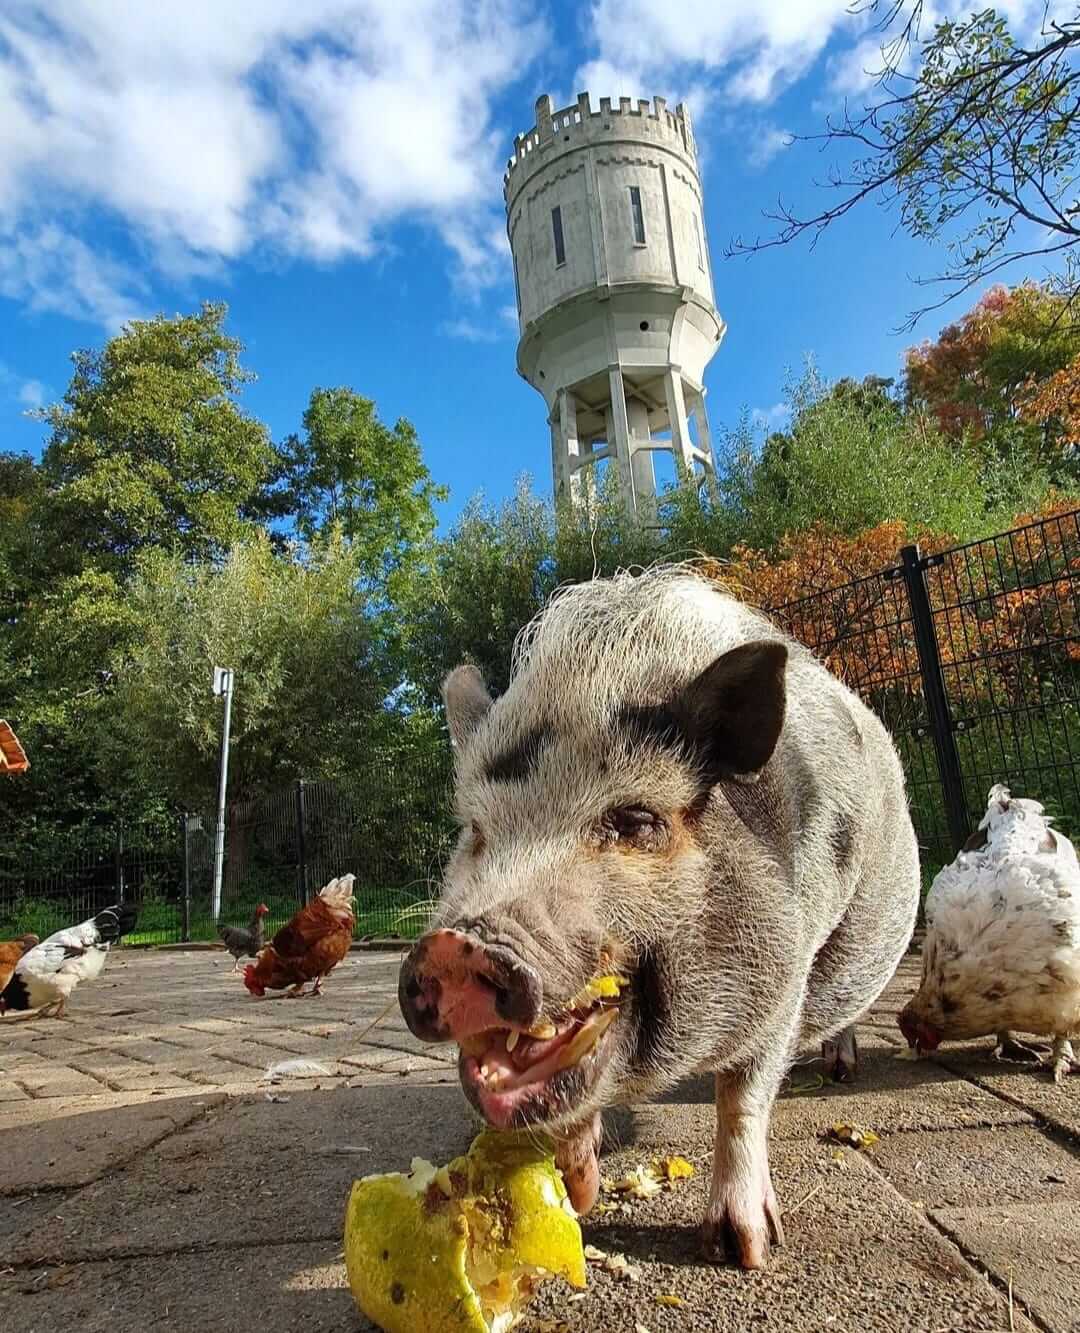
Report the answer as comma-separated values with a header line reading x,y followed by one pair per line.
x,y
584,1040
543,1031
512,1039
483,1071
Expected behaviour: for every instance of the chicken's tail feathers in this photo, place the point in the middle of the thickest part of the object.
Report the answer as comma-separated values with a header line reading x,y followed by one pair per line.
x,y
115,921
338,893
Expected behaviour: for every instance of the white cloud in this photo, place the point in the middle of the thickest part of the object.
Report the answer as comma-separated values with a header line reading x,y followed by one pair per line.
x,y
29,394
758,46
32,394
472,331
199,133
765,145
752,51
768,419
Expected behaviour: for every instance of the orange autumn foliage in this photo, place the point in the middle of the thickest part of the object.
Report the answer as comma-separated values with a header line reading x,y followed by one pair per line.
x,y
1004,609
1057,400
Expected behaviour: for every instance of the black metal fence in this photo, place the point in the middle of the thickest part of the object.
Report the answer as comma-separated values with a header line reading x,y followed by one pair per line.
x,y
971,657
392,831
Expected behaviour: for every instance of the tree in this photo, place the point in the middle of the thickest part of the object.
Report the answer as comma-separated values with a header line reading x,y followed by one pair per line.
x,y
977,148
350,472
311,679
853,458
468,599
150,448
977,376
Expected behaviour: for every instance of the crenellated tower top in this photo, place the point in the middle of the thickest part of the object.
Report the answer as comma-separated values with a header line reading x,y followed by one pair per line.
x,y
578,124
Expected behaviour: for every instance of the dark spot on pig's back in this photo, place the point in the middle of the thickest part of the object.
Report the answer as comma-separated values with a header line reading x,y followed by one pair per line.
x,y
516,763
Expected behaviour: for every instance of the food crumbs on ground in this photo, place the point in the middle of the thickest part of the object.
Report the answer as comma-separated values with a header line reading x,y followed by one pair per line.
x,y
462,1248
675,1168
815,1083
640,1183
853,1135
676,1302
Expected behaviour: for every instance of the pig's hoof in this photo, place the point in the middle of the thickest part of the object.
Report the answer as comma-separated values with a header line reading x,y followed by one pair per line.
x,y
841,1056
741,1236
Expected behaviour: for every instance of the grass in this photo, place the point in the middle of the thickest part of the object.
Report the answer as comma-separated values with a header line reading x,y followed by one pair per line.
x,y
395,914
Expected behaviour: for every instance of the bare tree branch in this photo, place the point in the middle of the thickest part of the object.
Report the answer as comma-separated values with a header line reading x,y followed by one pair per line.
x,y
974,149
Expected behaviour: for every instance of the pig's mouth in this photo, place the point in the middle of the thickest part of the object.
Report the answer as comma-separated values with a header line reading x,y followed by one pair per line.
x,y
517,1078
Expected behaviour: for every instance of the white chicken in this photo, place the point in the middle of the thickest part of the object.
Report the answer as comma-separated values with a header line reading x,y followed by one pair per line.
x,y
1002,950
47,974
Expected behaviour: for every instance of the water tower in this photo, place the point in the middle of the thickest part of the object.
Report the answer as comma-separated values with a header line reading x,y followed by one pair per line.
x,y
614,291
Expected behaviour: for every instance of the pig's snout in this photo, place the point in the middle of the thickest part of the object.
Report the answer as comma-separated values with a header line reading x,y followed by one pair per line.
x,y
453,986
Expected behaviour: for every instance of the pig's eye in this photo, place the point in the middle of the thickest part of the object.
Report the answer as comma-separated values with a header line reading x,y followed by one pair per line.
x,y
634,826
478,841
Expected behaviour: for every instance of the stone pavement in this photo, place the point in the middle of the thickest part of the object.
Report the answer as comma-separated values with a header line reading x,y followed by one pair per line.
x,y
151,1177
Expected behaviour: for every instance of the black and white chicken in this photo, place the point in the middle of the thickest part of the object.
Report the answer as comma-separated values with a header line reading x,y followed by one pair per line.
x,y
47,974
1002,950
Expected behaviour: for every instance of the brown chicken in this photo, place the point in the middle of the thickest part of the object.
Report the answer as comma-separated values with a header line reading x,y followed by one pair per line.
x,y
309,947
10,953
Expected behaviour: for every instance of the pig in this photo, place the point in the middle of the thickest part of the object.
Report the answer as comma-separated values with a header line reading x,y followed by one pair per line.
x,y
678,802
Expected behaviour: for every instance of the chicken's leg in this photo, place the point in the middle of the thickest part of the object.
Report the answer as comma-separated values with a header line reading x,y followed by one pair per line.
x,y
318,986
236,963
1008,1048
1064,1061
297,992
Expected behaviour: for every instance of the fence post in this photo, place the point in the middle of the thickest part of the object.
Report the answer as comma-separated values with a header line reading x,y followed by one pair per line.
x,y
185,904
913,569
301,843
119,860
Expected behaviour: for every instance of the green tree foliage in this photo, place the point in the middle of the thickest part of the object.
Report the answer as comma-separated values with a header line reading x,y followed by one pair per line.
x,y
475,590
310,676
150,447
351,472
852,458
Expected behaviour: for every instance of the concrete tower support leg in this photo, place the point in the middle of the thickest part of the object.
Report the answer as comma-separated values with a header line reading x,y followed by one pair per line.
x,y
641,459
680,430
571,445
704,434
619,436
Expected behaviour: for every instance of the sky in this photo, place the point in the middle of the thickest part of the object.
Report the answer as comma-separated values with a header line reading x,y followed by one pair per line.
x,y
332,170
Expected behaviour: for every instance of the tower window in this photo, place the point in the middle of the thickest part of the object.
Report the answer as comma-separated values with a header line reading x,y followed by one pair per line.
x,y
636,215
700,246
557,234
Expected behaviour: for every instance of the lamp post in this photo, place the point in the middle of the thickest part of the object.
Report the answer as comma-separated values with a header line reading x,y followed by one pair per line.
x,y
223,685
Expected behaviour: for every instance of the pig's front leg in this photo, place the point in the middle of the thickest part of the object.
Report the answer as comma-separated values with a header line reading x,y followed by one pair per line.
x,y
577,1157
742,1219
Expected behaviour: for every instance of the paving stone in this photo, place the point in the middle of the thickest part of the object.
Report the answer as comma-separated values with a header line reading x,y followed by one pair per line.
x,y
56,1080
1025,1085
857,1257
278,1288
82,1140
255,1172
979,1166
1035,1246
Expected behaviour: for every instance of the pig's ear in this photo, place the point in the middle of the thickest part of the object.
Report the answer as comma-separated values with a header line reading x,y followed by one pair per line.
x,y
733,711
467,702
